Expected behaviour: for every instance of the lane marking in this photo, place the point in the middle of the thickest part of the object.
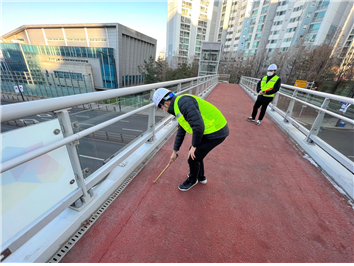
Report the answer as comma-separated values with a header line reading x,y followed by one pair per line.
x,y
94,158
123,121
44,115
47,119
132,129
82,116
86,124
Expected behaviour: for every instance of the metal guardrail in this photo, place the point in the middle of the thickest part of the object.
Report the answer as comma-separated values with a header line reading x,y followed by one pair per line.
x,y
83,195
320,103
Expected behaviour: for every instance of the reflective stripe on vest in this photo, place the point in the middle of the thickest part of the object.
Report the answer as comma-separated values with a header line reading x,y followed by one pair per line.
x,y
267,86
213,119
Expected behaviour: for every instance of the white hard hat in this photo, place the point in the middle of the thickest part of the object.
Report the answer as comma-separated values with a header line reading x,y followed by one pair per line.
x,y
272,67
160,94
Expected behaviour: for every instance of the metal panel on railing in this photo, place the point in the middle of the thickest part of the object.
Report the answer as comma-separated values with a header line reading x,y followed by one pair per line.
x,y
31,189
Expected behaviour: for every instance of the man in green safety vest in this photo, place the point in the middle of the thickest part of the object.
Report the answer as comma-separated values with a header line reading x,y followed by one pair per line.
x,y
203,120
266,89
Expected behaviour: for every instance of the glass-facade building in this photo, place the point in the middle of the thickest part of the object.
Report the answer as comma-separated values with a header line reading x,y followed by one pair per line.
x,y
75,56
22,57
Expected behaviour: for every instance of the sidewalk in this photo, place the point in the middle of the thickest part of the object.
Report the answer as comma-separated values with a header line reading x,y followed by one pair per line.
x,y
263,203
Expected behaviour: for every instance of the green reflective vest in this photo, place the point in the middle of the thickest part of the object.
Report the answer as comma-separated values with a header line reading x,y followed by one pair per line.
x,y
266,86
213,119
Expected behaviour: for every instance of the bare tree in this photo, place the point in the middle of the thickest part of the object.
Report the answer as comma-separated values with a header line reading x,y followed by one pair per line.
x,y
259,62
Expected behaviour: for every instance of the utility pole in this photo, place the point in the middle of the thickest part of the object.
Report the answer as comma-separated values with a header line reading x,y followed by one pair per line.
x,y
12,74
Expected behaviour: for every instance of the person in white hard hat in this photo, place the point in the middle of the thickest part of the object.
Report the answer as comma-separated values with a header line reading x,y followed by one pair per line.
x,y
200,118
266,88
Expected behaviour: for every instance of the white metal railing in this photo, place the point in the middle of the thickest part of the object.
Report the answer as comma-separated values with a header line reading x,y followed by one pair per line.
x,y
290,98
81,196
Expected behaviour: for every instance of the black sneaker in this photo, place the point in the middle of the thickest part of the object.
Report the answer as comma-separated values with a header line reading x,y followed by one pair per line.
x,y
202,180
250,119
187,185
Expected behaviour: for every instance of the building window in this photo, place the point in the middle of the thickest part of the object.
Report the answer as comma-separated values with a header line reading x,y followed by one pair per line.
x,y
255,44
280,13
276,23
287,40
262,19
284,49
62,74
291,29
260,28
319,16
185,20
284,3
311,38
314,27
264,10
297,8
273,41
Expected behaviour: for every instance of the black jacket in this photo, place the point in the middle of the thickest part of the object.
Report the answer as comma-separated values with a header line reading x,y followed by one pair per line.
x,y
275,89
190,110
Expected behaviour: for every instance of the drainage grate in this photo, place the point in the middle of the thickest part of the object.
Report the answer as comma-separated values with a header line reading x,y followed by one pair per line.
x,y
65,248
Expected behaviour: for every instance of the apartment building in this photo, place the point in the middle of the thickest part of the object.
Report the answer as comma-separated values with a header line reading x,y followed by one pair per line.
x,y
248,27
109,54
188,24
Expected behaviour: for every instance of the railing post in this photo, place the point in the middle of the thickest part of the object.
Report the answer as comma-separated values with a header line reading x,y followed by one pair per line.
x,y
289,112
179,87
151,120
64,118
275,101
318,121
190,91
197,90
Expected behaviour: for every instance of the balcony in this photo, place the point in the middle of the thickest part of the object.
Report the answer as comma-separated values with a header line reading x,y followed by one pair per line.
x,y
324,6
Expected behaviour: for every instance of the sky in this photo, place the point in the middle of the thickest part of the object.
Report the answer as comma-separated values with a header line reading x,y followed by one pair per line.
x,y
146,16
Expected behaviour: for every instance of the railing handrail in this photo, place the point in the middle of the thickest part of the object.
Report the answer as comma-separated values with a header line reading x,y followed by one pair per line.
x,y
322,110
333,162
201,86
313,92
19,110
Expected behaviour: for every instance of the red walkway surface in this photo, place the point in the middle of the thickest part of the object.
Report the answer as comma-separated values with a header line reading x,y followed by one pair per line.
x,y
263,203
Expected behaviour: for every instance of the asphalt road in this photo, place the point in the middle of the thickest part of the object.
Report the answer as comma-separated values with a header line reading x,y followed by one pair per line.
x,y
93,149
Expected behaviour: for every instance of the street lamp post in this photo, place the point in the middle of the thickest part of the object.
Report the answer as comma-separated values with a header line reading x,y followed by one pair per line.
x,y
114,62
17,84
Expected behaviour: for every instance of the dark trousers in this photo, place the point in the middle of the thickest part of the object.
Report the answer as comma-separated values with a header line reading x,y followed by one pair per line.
x,y
256,105
196,166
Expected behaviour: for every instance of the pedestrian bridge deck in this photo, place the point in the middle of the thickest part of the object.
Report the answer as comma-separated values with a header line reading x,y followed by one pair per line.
x,y
264,202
